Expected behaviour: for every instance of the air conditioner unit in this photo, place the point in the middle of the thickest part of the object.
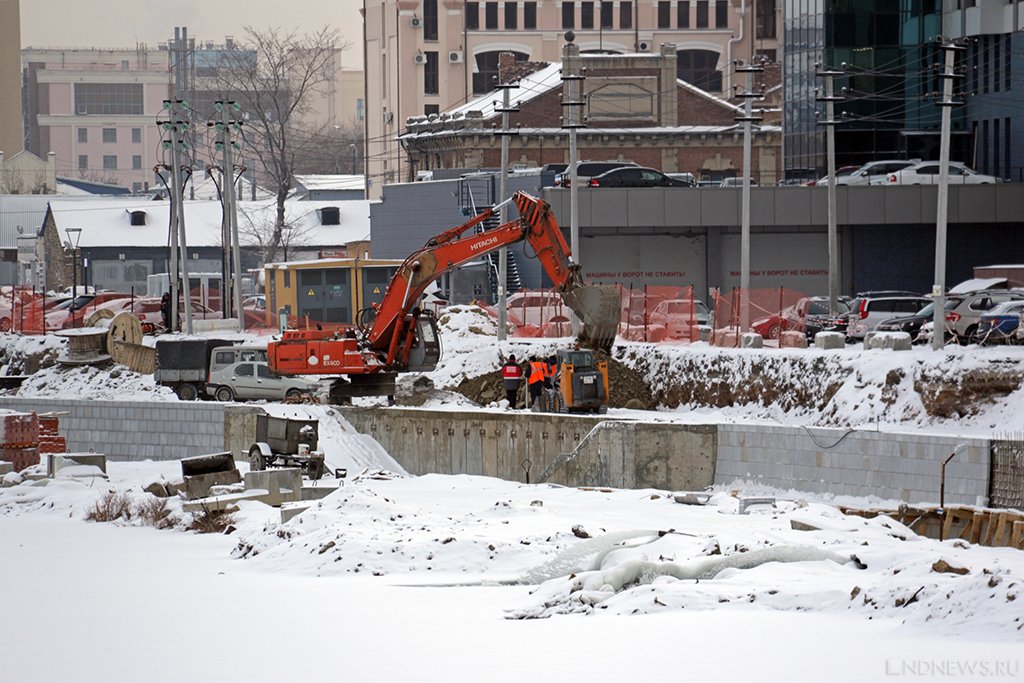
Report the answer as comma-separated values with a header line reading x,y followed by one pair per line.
x,y
415,21
420,58
455,56
644,46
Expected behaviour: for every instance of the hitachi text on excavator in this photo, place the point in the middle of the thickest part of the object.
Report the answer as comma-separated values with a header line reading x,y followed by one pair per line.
x,y
396,336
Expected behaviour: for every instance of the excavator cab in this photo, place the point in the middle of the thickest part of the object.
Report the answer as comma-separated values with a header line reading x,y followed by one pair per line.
x,y
425,351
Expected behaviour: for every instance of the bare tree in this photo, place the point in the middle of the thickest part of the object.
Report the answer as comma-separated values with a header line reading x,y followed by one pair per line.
x,y
274,75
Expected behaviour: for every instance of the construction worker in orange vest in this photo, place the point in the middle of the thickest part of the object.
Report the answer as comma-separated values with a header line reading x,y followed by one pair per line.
x,y
536,379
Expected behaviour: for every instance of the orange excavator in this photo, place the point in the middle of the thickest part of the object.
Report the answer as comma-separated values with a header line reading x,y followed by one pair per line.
x,y
396,336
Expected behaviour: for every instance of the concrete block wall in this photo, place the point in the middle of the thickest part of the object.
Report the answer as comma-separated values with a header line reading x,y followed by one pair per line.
x,y
904,466
134,430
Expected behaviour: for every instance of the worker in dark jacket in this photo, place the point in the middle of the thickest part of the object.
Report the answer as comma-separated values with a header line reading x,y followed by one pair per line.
x,y
511,378
535,380
165,311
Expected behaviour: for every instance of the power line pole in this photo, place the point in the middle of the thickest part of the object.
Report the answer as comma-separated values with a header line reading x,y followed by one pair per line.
x,y
177,126
942,209
830,148
227,146
572,119
505,133
748,118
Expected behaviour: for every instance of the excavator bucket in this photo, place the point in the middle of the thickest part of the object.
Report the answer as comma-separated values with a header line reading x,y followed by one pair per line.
x,y
597,307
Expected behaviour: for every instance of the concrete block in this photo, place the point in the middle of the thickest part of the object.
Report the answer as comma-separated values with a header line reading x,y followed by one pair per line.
x,y
751,340
218,503
290,511
792,339
829,340
198,486
897,341
6,468
283,485
317,492
56,462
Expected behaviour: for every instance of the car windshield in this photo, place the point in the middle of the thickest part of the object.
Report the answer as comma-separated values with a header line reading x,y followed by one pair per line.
x,y
1008,308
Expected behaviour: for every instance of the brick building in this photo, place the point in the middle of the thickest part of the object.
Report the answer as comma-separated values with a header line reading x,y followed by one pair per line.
x,y
635,109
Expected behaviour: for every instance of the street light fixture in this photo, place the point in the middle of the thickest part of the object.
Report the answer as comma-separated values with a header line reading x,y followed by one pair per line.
x,y
74,235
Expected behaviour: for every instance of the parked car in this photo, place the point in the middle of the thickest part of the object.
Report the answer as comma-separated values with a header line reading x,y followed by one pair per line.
x,y
1000,325
81,307
964,318
674,319
540,310
875,171
687,178
147,310
254,380
867,312
256,302
912,324
635,176
809,315
585,170
736,182
927,173
841,173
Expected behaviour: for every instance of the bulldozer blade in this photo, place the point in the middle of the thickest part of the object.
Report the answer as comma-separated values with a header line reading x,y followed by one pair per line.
x,y
598,308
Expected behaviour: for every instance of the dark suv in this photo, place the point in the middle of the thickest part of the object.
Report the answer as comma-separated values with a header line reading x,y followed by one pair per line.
x,y
585,170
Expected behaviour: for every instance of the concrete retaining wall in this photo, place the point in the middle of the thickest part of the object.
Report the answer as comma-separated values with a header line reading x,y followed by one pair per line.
x,y
136,430
858,463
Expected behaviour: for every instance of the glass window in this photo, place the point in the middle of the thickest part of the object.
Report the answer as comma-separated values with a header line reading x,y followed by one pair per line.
x,y
225,357
244,370
83,135
683,14
529,15
430,74
491,16
607,12
702,13
264,372
511,16
429,19
472,15
568,15
136,162
83,162
108,98
721,14
664,14
136,135
765,14
287,279
109,162
625,15
586,15
110,135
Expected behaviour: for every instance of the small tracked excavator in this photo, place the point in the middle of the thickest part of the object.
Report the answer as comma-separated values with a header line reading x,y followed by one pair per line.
x,y
396,336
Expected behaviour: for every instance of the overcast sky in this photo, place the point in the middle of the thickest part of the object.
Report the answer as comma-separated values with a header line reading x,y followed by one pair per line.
x,y
123,23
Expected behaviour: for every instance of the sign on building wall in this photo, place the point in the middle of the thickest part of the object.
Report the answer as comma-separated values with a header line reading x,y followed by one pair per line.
x,y
645,260
797,261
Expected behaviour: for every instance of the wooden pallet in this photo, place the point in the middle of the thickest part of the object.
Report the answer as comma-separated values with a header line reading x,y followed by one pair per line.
x,y
980,526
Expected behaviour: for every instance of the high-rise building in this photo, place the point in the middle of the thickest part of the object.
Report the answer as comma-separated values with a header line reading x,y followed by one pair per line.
x,y
12,133
425,56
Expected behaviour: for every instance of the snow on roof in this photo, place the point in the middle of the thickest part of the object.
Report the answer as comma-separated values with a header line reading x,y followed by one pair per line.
x,y
708,96
529,87
977,284
106,222
331,182
652,130
27,211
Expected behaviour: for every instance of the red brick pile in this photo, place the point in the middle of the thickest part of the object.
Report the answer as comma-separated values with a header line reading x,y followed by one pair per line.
x,y
19,438
49,440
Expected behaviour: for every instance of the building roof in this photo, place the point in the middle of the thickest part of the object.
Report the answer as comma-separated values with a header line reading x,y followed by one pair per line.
x,y
313,183
106,222
27,211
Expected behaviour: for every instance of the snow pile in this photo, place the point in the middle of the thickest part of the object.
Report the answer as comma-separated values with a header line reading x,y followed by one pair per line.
x,y
86,381
20,354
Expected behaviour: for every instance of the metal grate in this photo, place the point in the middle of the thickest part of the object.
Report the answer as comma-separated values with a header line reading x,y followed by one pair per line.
x,y
1007,478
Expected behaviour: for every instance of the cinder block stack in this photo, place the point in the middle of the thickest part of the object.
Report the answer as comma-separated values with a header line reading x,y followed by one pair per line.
x,y
19,438
50,441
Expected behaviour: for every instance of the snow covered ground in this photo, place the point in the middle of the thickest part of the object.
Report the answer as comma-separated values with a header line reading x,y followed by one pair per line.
x,y
441,578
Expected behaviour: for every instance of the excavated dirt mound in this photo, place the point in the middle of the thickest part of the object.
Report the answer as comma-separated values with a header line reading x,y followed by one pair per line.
x,y
625,385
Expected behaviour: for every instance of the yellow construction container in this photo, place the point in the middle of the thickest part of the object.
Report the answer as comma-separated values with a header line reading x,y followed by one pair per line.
x,y
329,291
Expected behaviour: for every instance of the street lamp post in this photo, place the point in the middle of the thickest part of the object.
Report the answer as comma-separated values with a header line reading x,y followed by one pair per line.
x,y
74,235
355,167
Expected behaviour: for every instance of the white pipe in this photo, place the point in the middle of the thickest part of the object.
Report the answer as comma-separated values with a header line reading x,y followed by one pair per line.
x,y
728,47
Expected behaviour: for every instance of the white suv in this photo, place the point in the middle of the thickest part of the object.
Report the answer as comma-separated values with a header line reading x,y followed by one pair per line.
x,y
874,172
867,312
927,173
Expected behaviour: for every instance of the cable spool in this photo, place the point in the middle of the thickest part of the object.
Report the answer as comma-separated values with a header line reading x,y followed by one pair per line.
x,y
98,316
125,327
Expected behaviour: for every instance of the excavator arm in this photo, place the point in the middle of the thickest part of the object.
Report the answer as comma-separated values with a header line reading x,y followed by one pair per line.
x,y
399,327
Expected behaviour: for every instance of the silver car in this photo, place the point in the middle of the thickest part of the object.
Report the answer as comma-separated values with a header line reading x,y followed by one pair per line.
x,y
249,380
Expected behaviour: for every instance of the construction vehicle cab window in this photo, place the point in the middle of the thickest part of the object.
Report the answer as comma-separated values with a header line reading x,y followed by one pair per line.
x,y
403,338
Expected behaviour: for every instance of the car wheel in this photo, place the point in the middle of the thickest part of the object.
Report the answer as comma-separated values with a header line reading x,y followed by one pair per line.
x,y
969,335
775,331
187,392
294,394
5,324
225,394
256,463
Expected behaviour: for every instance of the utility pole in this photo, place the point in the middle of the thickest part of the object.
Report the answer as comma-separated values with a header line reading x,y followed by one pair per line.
x,y
505,133
177,126
572,119
748,117
227,146
830,149
942,209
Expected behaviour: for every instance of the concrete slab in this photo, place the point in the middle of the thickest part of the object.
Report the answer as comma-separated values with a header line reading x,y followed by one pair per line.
x,y
290,511
830,340
751,340
317,492
198,486
792,339
55,462
897,341
282,485
219,503
6,468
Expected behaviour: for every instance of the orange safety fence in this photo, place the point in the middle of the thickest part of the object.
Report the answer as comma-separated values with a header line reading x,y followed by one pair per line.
x,y
768,312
